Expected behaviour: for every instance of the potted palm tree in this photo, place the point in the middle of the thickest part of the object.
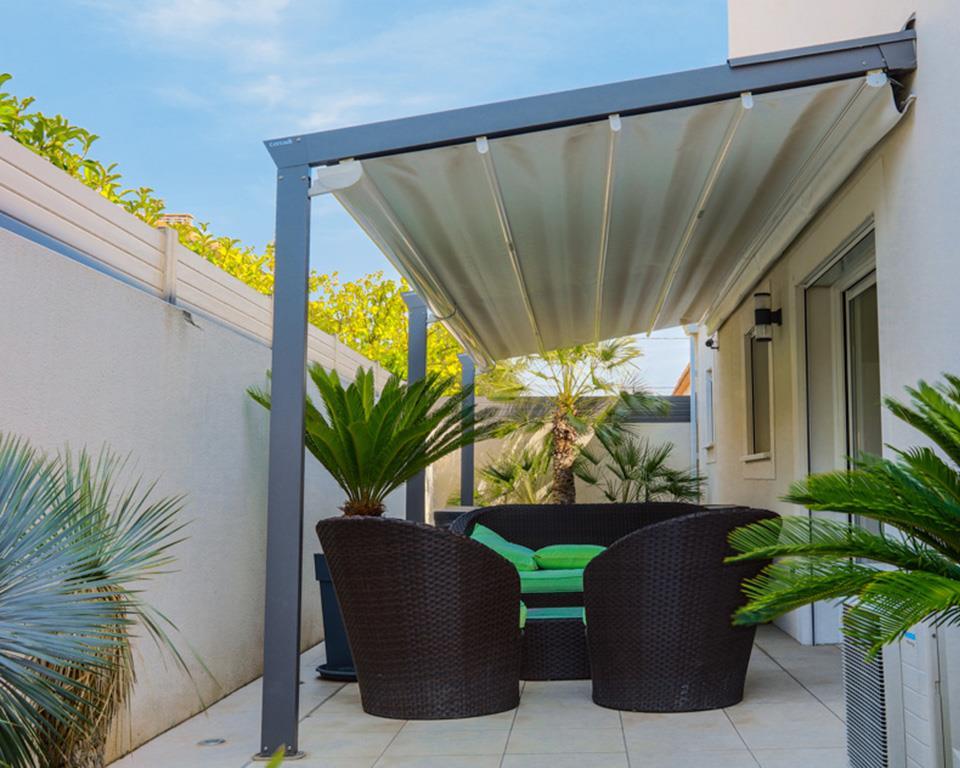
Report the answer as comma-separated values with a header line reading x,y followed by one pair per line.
x,y
916,497
371,446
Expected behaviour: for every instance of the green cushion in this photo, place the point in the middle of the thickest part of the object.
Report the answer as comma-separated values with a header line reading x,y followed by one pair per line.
x,y
519,555
558,612
564,556
523,614
569,580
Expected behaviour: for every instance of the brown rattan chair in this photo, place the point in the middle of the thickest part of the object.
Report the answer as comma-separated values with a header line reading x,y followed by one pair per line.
x,y
659,604
432,618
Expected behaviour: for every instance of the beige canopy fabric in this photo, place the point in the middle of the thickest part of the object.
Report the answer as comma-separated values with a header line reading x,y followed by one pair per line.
x,y
546,239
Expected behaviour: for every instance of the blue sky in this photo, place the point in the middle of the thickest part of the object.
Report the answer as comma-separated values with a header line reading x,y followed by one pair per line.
x,y
183,92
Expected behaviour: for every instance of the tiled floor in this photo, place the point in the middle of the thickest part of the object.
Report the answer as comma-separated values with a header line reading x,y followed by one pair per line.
x,y
791,716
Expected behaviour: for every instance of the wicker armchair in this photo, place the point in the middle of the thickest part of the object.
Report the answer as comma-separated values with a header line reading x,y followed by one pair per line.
x,y
432,618
658,606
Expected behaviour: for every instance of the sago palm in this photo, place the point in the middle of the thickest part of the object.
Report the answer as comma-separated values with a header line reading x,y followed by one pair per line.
x,y
372,445
907,573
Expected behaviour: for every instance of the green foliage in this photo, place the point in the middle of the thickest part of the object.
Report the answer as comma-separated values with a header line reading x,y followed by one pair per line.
x,y
73,556
585,386
519,475
632,469
916,496
367,315
373,445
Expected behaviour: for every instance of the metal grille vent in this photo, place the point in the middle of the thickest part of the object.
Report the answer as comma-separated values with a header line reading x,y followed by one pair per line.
x,y
866,707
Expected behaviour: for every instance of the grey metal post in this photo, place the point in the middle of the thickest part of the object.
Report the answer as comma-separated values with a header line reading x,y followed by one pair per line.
x,y
416,370
281,630
467,377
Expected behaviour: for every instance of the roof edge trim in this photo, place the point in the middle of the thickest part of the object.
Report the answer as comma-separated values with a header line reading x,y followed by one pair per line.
x,y
895,52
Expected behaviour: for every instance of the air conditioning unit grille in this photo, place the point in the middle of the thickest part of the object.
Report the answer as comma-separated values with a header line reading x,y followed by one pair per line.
x,y
866,707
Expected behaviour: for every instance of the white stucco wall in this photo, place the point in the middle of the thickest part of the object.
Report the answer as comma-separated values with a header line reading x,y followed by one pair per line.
x,y
761,26
910,186
86,360
444,478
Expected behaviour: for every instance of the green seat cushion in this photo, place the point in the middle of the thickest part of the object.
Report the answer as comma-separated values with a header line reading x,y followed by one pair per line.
x,y
569,580
558,612
565,556
523,614
519,555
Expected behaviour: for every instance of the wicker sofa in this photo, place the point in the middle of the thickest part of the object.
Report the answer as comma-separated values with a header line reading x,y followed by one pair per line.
x,y
542,525
662,573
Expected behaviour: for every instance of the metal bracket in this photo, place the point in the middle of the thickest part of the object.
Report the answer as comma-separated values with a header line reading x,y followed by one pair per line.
x,y
333,178
876,78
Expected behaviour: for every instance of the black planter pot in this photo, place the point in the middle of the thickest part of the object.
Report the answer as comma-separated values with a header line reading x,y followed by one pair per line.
x,y
339,665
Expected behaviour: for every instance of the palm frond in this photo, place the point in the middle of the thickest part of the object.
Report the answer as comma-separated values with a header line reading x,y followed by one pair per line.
x,y
372,445
915,494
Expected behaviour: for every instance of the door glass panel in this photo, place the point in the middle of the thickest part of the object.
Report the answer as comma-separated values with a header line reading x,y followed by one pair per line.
x,y
863,376
864,352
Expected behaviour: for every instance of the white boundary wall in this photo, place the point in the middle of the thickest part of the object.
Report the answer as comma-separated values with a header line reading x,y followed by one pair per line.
x,y
155,364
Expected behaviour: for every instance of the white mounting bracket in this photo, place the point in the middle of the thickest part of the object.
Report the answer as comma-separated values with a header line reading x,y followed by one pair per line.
x,y
746,100
876,78
333,178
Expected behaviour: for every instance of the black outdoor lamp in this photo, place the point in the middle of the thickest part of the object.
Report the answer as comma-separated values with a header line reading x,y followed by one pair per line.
x,y
764,318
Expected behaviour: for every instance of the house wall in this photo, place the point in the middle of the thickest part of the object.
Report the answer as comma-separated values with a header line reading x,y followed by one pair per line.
x,y
910,188
87,359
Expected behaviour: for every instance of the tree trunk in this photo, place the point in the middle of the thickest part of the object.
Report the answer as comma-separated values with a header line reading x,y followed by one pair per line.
x,y
86,754
564,452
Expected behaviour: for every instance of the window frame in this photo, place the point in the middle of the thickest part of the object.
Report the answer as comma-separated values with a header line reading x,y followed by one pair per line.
x,y
751,454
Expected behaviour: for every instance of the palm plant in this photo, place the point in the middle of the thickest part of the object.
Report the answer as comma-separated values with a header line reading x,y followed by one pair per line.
x,y
373,445
916,497
520,475
586,385
633,469
70,555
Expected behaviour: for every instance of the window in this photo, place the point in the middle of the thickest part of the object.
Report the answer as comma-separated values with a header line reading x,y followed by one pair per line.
x,y
759,437
709,429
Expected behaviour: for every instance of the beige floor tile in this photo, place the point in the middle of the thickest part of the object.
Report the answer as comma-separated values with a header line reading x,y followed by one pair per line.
x,y
333,744
321,761
707,759
684,731
801,758
418,742
349,721
499,721
439,761
564,740
788,725
564,714
581,760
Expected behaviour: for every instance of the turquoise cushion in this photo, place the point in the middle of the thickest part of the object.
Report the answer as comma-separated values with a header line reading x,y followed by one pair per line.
x,y
519,555
565,612
523,614
564,556
570,580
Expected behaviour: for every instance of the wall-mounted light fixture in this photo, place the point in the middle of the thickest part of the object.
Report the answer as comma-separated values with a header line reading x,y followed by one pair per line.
x,y
711,343
764,317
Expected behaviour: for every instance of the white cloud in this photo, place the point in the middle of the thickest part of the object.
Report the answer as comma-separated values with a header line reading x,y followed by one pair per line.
x,y
340,110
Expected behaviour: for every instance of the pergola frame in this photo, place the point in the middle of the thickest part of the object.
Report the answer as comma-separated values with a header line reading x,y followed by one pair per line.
x,y
296,156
